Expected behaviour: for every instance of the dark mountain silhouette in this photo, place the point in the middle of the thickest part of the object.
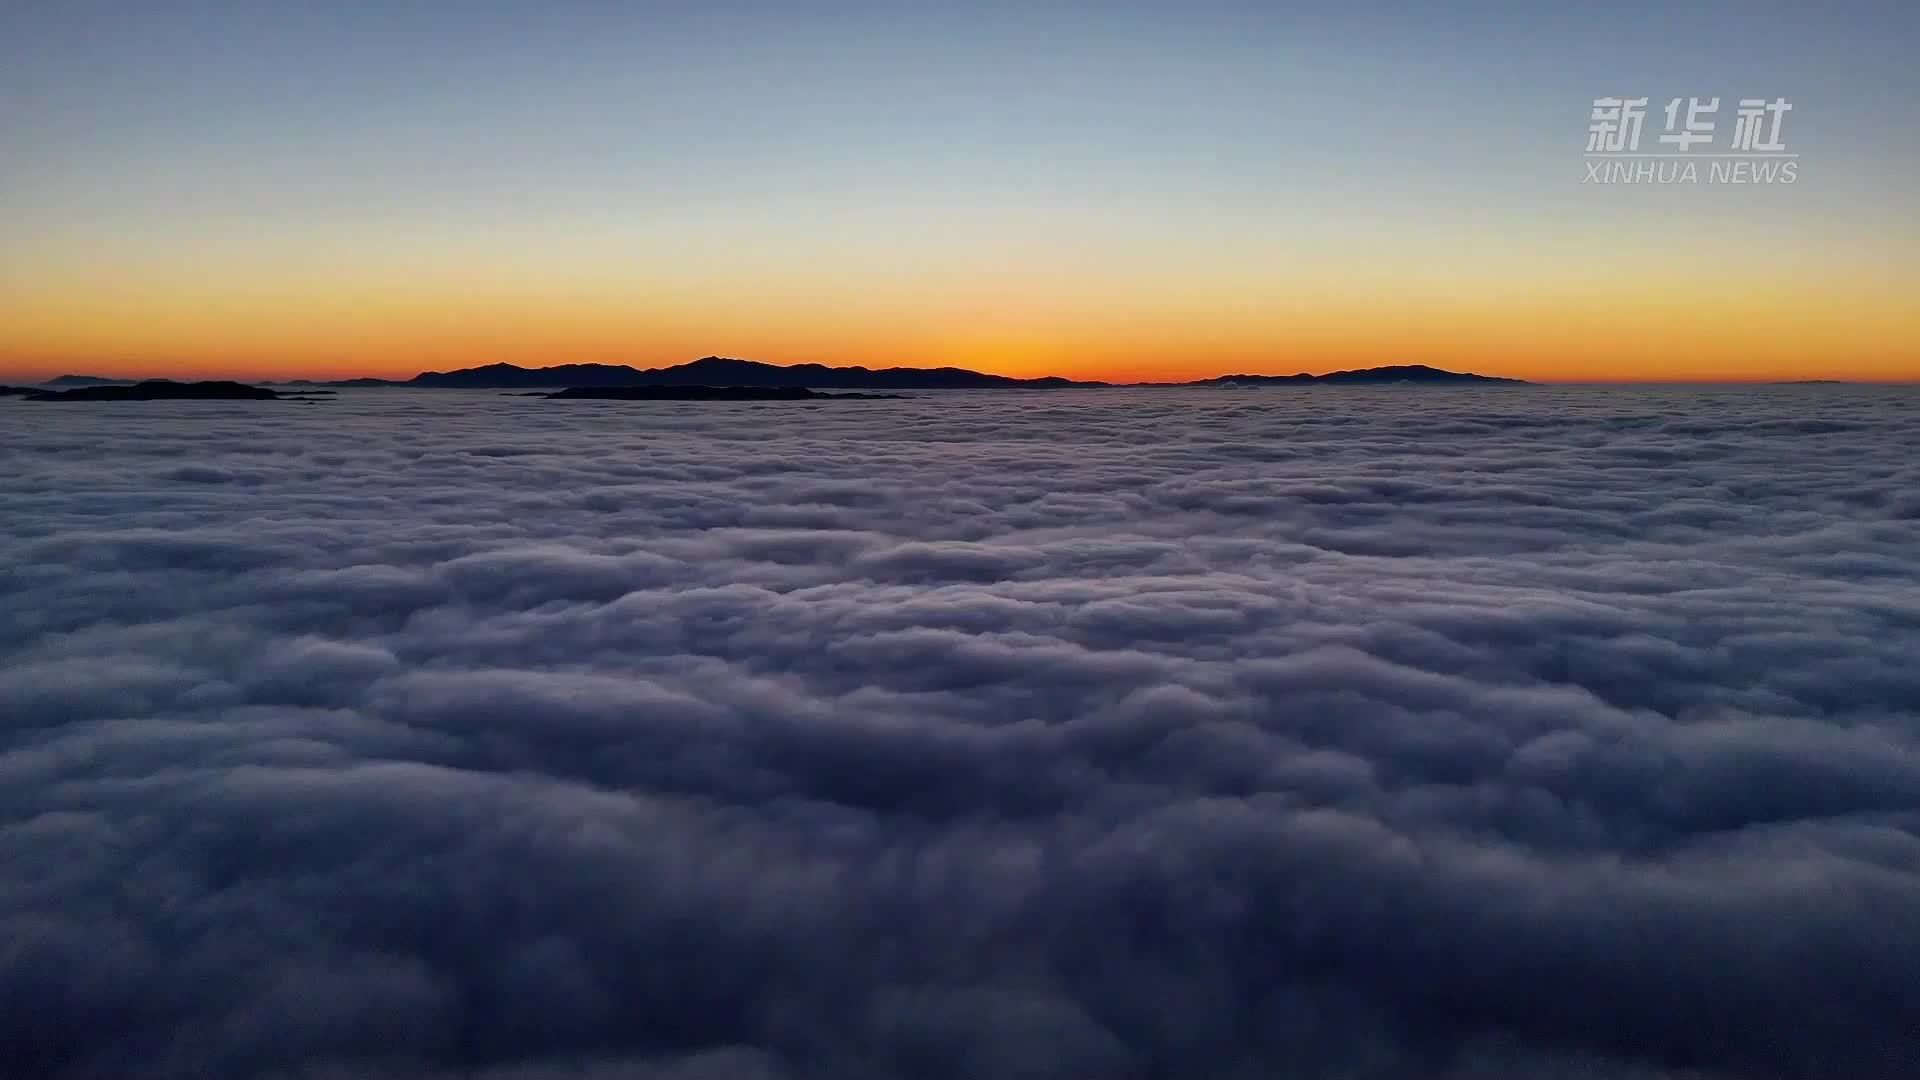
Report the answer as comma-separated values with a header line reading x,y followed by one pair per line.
x,y
1398,373
709,393
722,371
18,391
86,380
162,390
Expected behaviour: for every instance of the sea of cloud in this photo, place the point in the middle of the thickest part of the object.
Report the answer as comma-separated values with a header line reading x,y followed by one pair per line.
x,y
1519,732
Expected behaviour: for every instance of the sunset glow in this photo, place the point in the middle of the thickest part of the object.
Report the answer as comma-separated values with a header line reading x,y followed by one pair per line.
x,y
939,540
1320,193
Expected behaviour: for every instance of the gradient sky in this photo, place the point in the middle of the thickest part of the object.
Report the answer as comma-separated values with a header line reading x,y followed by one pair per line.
x,y
1119,190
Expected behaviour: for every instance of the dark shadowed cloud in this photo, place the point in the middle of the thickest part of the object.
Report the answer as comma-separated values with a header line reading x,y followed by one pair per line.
x,y
1538,732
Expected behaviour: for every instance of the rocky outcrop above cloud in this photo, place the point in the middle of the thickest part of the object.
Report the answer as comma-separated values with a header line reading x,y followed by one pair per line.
x,y
1391,375
706,393
722,371
161,390
62,382
1572,733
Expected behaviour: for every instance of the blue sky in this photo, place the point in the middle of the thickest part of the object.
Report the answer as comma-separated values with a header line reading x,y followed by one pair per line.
x,y
250,139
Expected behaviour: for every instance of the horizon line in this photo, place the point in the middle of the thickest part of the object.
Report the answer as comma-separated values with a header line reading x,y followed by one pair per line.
x,y
402,380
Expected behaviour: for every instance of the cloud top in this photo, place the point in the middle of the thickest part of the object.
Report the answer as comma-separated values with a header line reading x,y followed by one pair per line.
x,y
1362,733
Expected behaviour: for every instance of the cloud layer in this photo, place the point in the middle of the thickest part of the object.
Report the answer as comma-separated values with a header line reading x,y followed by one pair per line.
x,y
1124,734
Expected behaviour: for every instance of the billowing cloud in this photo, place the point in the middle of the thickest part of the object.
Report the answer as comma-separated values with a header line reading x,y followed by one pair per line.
x,y
1134,734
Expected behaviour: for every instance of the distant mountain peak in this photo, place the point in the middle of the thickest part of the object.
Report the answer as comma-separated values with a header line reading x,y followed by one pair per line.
x,y
728,371
1375,376
161,390
733,371
86,380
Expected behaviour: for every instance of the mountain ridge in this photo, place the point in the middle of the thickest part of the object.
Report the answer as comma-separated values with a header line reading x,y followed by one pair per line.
x,y
1373,376
163,390
727,371
65,381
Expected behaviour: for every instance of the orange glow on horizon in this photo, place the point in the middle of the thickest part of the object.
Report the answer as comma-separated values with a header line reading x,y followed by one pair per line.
x,y
1680,325
34,369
